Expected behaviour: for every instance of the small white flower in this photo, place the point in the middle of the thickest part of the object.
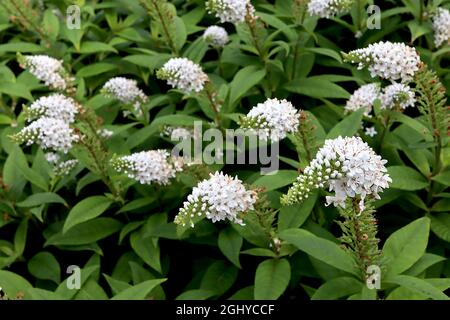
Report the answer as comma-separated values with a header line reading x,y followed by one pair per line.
x,y
178,133
364,97
126,91
348,166
55,106
52,157
155,166
328,8
441,27
105,133
183,74
272,119
49,133
47,69
233,11
397,94
388,60
371,132
218,198
216,36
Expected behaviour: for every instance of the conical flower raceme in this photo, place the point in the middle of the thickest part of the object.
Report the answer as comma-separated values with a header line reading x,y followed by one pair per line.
x,y
49,133
126,91
221,197
216,36
397,95
47,69
441,27
272,119
183,74
55,106
328,8
364,97
147,167
347,166
387,60
233,11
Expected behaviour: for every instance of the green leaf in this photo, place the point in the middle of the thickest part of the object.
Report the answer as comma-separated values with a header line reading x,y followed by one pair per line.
x,y
16,90
219,277
38,199
406,178
337,288
418,29
85,210
20,238
426,261
51,24
96,46
243,81
440,225
147,249
95,69
151,62
86,232
326,52
348,127
443,178
13,284
317,88
294,216
41,294
321,249
45,266
21,47
419,286
442,205
406,246
230,243
138,292
275,181
180,33
117,286
196,294
271,279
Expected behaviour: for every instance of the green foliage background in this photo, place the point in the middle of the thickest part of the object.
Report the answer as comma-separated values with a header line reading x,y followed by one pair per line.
x,y
130,248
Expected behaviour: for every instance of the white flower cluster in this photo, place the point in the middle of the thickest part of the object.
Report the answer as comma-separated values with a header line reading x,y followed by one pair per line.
x,y
272,119
63,168
126,91
388,60
55,106
233,11
149,166
397,94
183,74
47,69
49,133
328,8
216,36
348,166
441,27
363,97
178,133
218,198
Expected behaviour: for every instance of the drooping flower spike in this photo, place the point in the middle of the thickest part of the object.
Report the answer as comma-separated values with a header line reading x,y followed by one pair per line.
x,y
387,60
272,119
221,197
364,97
183,74
347,166
147,167
397,95
216,36
441,27
126,91
55,106
328,8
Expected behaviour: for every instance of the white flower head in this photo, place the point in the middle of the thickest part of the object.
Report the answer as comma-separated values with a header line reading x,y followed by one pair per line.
x,y
371,132
328,8
363,97
441,27
216,36
218,198
52,157
272,119
49,133
147,167
126,91
387,60
47,69
105,133
397,94
65,167
55,106
347,166
233,11
183,74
